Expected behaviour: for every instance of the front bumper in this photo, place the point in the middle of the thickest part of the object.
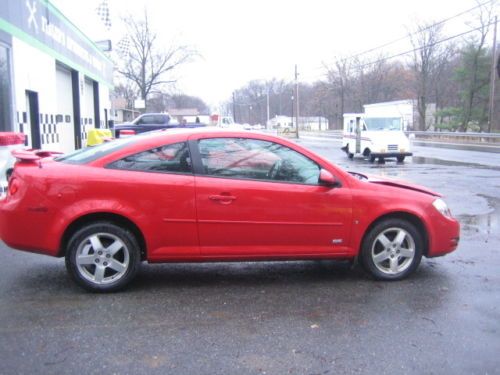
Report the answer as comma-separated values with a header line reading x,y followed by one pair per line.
x,y
444,237
390,154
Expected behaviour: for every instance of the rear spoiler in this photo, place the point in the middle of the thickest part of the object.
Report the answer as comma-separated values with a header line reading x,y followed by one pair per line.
x,y
30,155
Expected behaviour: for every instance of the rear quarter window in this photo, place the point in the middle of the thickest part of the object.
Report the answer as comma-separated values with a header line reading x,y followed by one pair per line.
x,y
89,154
173,158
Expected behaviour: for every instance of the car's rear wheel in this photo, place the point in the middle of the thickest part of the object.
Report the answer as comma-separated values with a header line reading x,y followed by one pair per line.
x,y
392,249
102,257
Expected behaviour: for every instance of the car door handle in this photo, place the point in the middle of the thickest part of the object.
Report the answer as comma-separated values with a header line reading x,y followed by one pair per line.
x,y
224,199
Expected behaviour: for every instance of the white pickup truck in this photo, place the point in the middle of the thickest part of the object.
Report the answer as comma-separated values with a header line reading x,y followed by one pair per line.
x,y
374,137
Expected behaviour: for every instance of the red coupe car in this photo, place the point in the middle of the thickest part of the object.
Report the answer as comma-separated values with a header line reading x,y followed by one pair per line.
x,y
197,195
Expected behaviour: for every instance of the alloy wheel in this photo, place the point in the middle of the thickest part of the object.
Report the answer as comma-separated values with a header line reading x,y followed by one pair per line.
x,y
102,258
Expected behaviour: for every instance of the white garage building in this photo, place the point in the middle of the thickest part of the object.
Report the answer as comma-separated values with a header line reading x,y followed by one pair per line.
x,y
54,81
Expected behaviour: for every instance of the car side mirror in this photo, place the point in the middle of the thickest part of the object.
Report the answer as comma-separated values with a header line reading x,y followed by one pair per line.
x,y
327,179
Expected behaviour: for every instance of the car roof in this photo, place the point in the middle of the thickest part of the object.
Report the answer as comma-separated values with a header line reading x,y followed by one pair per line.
x,y
158,137
208,130
155,138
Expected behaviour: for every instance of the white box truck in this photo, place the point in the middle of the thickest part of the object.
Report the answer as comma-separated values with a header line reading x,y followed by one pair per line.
x,y
374,137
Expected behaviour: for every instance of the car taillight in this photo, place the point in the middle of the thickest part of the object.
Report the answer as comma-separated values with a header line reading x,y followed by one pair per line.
x,y
126,133
13,186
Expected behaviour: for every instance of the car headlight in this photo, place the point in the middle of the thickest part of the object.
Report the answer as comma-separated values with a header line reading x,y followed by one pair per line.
x,y
442,207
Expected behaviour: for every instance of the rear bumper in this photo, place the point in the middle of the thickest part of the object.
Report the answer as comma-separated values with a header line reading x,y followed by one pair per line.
x,y
26,229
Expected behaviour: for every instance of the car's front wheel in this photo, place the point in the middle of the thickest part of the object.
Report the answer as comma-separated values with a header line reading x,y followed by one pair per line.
x,y
102,257
392,249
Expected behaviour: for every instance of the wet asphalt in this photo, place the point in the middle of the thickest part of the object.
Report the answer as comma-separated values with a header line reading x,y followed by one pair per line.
x,y
319,317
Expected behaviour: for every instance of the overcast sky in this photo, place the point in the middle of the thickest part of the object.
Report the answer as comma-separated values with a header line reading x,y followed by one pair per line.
x,y
260,39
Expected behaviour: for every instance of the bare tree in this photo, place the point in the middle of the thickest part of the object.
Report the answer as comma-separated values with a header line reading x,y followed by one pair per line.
x,y
187,101
427,51
475,65
146,63
443,89
376,81
126,90
340,79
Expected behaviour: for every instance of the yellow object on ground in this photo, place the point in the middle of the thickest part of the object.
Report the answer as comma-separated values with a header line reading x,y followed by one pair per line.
x,y
98,136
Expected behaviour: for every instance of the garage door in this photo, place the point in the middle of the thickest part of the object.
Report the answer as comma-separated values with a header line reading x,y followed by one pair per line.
x,y
65,127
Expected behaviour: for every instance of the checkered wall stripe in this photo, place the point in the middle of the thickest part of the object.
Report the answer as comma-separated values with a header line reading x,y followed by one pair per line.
x,y
22,121
48,129
49,132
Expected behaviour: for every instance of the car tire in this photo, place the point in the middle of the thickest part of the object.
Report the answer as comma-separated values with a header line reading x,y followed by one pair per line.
x,y
102,257
401,159
392,249
372,158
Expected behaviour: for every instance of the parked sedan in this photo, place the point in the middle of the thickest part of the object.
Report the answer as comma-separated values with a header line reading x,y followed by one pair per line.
x,y
197,195
150,122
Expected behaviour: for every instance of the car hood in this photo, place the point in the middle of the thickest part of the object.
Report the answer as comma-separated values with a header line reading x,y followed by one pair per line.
x,y
401,185
395,183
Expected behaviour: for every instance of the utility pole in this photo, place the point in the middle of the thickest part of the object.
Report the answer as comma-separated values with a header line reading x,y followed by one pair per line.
x,y
267,103
297,98
492,77
234,109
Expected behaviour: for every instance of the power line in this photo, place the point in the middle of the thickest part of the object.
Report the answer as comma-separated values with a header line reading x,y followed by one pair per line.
x,y
416,32
426,46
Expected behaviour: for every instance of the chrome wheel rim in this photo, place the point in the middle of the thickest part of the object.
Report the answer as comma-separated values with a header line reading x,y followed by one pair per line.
x,y
102,258
393,251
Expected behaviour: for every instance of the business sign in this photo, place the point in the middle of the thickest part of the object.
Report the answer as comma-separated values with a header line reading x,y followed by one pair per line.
x,y
38,21
139,104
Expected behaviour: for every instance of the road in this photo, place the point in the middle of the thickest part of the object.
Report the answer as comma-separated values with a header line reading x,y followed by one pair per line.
x,y
277,318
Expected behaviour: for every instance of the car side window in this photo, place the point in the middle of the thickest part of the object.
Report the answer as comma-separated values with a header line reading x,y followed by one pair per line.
x,y
256,159
152,119
172,158
141,120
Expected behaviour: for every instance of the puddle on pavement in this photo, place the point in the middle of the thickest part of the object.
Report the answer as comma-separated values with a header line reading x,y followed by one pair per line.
x,y
487,223
420,160
482,224
435,161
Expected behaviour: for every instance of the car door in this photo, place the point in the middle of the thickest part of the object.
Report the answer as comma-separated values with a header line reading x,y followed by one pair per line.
x,y
165,201
256,198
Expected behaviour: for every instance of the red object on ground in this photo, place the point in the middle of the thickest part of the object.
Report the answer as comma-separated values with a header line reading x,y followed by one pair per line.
x,y
12,138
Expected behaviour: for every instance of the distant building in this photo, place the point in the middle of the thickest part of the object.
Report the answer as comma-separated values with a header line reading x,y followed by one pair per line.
x,y
120,113
188,114
305,123
313,123
54,80
280,122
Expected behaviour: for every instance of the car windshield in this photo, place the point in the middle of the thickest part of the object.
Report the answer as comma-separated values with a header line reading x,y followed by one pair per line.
x,y
383,123
88,154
